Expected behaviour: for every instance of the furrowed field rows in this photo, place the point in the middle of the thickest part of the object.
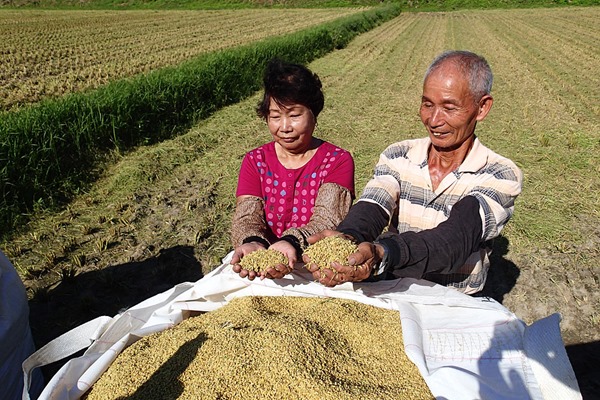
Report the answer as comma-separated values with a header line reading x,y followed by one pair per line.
x,y
544,117
557,55
50,53
549,250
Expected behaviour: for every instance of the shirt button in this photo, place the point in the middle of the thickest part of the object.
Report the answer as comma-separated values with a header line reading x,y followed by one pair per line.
x,y
290,174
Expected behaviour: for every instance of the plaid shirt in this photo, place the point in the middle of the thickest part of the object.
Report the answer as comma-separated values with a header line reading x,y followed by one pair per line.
x,y
402,186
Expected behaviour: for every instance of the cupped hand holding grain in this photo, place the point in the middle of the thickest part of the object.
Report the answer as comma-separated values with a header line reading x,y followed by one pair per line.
x,y
262,260
357,268
280,270
360,266
239,253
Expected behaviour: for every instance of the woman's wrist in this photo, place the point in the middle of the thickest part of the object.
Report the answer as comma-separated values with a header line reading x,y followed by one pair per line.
x,y
293,240
257,239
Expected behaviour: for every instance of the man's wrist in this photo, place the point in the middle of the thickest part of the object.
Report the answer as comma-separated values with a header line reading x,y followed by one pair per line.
x,y
383,254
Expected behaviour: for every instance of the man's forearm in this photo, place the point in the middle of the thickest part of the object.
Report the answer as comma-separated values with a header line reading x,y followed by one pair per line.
x,y
442,249
364,221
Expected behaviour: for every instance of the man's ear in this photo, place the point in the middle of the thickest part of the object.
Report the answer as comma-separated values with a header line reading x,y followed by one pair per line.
x,y
485,105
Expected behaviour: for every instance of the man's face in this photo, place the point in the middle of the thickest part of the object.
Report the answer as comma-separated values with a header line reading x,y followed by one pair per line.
x,y
448,110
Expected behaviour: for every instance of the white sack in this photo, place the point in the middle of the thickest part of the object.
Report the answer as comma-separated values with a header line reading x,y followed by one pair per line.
x,y
465,347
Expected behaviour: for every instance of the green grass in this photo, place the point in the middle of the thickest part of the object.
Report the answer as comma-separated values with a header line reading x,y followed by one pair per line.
x,y
52,149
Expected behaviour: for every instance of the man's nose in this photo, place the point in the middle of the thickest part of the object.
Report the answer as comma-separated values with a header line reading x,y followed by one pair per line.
x,y
437,117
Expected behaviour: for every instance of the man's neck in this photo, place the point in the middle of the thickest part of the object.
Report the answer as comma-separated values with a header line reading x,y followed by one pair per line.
x,y
442,162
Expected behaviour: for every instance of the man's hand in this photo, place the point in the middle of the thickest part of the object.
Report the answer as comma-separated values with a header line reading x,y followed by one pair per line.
x,y
239,253
359,264
312,239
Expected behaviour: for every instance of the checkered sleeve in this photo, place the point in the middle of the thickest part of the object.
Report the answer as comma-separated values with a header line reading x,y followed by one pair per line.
x,y
497,195
384,188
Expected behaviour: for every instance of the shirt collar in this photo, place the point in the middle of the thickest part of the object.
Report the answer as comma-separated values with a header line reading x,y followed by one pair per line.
x,y
475,160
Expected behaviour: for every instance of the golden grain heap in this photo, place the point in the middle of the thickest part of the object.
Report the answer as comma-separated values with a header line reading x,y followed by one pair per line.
x,y
262,259
330,249
270,348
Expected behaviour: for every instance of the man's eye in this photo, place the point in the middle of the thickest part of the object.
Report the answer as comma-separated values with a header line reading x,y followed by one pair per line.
x,y
426,105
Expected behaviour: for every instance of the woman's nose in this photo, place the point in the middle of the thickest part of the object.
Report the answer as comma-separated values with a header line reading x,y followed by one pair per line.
x,y
286,124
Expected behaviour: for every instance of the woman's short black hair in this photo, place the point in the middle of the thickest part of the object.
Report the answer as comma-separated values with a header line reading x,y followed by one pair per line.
x,y
287,84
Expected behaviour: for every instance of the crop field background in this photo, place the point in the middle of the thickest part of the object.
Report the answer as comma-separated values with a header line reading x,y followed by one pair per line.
x,y
48,53
160,215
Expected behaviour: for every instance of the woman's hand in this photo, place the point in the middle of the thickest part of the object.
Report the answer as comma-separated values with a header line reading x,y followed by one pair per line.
x,y
279,271
239,253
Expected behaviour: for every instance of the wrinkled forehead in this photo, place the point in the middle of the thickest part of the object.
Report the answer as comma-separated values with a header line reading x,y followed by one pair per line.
x,y
448,82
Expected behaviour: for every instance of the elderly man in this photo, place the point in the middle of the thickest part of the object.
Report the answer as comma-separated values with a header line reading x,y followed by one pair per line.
x,y
443,198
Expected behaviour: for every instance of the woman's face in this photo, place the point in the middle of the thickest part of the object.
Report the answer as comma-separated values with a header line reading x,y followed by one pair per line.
x,y
291,125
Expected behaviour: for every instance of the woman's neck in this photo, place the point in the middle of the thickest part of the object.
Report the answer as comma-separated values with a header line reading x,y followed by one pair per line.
x,y
298,158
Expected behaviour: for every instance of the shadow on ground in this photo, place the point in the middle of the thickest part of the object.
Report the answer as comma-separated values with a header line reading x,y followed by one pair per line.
x,y
503,273
585,360
86,296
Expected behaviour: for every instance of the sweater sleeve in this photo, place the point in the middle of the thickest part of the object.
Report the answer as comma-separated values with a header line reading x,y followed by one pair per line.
x,y
249,221
443,249
364,221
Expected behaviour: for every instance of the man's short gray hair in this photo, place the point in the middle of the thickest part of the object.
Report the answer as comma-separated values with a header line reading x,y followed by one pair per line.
x,y
474,66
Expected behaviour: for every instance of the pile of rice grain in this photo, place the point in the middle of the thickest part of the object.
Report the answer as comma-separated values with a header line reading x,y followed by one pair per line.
x,y
270,348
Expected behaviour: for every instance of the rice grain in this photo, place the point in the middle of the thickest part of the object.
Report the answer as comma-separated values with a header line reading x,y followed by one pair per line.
x,y
270,348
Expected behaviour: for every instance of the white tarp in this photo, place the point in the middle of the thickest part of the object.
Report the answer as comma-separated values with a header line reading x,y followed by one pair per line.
x,y
465,347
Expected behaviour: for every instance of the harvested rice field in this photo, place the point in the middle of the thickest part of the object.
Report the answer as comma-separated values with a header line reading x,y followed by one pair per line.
x,y
124,239
49,53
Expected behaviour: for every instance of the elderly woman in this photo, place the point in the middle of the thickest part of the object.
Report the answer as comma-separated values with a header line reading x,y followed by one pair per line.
x,y
296,185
